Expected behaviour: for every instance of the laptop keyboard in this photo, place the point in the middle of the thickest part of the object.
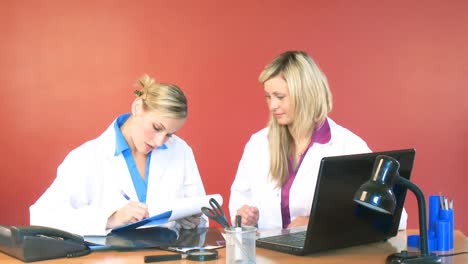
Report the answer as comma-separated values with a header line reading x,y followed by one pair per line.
x,y
292,239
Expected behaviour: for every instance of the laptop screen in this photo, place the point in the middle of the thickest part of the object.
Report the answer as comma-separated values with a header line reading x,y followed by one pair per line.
x,y
337,221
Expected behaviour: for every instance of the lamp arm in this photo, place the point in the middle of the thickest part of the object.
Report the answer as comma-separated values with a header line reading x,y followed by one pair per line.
x,y
422,212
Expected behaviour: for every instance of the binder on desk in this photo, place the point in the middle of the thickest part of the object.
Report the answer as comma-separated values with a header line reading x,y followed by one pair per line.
x,y
158,237
133,239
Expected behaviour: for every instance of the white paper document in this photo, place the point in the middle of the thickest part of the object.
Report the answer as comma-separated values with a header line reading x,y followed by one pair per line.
x,y
181,208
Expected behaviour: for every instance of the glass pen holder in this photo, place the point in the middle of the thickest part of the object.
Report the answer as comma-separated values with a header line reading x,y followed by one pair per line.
x,y
240,244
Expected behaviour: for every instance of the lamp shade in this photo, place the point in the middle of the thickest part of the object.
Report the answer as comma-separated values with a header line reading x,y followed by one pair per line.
x,y
377,193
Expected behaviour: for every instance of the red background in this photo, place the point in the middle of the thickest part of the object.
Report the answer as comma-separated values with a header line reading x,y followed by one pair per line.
x,y
397,70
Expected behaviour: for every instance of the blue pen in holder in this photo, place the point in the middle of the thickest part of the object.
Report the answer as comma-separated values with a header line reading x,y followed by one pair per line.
x,y
441,226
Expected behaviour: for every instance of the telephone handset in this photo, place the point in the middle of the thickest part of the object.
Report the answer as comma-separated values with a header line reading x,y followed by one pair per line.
x,y
33,243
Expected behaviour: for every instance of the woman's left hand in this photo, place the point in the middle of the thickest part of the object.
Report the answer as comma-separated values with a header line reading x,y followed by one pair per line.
x,y
190,222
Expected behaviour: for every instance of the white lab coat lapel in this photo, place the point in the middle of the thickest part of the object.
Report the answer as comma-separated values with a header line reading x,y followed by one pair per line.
x,y
115,174
300,199
120,178
267,197
160,181
160,159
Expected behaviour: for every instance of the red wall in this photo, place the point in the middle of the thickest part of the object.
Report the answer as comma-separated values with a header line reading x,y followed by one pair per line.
x,y
398,72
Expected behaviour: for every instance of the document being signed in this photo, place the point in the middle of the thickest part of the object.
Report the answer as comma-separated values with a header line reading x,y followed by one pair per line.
x,y
181,208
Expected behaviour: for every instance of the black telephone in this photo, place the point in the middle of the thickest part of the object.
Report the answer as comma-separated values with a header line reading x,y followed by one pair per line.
x,y
33,243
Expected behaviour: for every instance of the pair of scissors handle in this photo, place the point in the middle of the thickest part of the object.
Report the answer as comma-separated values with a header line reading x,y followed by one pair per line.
x,y
216,213
216,207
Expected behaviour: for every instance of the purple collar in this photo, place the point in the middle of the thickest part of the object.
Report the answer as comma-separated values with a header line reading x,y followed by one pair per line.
x,y
322,134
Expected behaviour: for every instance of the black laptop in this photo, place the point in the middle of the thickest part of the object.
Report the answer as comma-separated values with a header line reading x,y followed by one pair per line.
x,y
336,221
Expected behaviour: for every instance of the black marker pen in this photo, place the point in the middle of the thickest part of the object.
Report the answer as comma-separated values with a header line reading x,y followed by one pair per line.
x,y
193,254
159,258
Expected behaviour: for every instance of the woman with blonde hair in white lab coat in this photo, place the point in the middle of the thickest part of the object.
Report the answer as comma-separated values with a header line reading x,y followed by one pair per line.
x,y
278,170
132,170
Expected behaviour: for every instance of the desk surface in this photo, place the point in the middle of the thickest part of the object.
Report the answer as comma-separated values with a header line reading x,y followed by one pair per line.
x,y
370,253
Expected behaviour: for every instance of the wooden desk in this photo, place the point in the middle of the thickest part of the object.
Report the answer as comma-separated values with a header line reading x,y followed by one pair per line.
x,y
370,253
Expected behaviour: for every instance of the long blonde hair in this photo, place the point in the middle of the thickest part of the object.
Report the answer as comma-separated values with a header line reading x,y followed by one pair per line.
x,y
168,99
310,101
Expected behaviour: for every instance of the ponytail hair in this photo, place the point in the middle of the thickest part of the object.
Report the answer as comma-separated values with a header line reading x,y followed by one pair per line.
x,y
166,98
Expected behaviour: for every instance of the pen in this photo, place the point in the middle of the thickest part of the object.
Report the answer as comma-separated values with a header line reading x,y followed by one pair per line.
x,y
239,222
239,249
441,198
125,195
198,254
159,258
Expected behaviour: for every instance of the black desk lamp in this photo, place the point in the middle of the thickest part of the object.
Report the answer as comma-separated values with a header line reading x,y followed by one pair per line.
x,y
377,194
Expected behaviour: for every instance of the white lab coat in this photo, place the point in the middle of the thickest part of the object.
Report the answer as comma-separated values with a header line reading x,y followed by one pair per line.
x,y
253,186
87,188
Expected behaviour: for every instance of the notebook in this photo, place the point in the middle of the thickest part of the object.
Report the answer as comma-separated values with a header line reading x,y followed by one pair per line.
x,y
335,220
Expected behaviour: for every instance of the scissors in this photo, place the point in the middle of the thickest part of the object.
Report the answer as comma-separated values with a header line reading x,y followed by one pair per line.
x,y
216,213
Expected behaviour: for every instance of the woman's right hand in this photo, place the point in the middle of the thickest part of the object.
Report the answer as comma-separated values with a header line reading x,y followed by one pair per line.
x,y
131,212
249,215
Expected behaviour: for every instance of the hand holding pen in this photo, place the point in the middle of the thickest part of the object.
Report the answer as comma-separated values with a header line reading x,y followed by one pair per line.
x,y
131,212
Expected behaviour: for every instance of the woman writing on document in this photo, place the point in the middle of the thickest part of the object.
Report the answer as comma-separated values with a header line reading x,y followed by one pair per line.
x,y
132,170
277,174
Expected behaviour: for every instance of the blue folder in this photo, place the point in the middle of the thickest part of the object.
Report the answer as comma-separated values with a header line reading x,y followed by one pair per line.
x,y
153,220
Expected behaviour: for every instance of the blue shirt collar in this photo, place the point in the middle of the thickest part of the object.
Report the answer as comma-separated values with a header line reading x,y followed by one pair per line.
x,y
120,142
